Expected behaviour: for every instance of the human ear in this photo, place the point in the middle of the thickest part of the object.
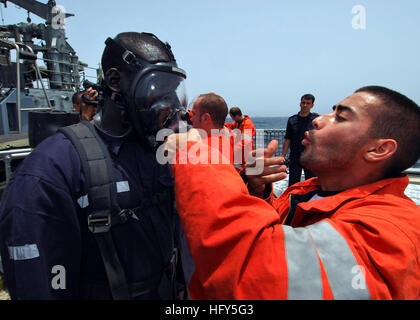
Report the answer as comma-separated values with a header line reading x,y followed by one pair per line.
x,y
113,79
381,149
206,117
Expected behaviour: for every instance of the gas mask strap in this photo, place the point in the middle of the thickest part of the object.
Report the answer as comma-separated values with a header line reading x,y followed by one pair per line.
x,y
120,102
126,55
113,136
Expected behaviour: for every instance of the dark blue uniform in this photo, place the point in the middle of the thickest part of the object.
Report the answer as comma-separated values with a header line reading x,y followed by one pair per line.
x,y
43,224
295,132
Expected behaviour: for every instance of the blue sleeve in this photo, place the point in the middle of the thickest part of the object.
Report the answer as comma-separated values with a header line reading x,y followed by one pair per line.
x,y
40,239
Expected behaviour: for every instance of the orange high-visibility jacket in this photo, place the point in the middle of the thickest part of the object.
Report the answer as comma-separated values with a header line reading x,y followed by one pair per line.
x,y
244,143
214,149
363,243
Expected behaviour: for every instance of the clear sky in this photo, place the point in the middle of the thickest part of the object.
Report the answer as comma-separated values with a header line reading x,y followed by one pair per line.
x,y
264,55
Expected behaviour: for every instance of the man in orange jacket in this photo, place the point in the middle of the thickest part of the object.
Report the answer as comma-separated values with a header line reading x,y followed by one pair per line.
x,y
207,117
209,113
351,233
243,130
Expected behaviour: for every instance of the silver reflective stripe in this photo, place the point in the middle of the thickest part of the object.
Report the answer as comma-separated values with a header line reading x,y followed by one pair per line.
x,y
316,197
123,186
27,252
303,270
226,133
83,202
338,261
247,137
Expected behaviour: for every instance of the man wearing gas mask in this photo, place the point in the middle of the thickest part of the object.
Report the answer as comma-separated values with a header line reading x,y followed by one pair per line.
x,y
66,232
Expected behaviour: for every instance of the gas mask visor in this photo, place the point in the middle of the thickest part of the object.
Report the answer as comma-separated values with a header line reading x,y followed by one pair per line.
x,y
160,99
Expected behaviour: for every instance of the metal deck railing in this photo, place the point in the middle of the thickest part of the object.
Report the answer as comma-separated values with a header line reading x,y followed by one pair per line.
x,y
8,156
264,136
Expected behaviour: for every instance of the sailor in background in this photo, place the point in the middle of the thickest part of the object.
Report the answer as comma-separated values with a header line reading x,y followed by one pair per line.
x,y
243,130
90,213
297,125
207,118
84,102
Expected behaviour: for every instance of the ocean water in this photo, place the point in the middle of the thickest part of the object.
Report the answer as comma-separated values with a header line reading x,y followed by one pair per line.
x,y
270,122
267,122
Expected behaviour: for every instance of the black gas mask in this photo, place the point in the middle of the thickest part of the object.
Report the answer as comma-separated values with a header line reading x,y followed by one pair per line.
x,y
157,96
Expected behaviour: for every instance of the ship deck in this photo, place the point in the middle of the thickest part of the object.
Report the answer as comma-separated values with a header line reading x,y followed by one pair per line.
x,y
14,141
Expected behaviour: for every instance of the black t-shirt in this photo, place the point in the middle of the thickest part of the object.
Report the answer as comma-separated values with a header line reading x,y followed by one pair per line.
x,y
295,132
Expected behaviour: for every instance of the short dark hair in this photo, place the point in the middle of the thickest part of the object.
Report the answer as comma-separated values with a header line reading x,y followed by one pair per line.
x,y
398,118
143,45
215,105
308,96
235,111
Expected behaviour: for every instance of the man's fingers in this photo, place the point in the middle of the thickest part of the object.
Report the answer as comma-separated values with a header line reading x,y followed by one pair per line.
x,y
267,152
266,162
271,148
273,170
274,178
92,93
258,155
273,161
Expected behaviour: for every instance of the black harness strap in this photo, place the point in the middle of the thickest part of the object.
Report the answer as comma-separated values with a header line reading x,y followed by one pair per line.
x,y
97,167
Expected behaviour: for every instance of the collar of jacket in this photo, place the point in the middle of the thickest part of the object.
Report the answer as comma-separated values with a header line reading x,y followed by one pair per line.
x,y
239,124
394,186
246,118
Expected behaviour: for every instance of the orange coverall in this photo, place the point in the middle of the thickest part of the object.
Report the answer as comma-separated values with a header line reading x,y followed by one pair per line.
x,y
363,243
243,143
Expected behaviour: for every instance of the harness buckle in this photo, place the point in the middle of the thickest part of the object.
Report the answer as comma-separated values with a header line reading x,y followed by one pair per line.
x,y
99,224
